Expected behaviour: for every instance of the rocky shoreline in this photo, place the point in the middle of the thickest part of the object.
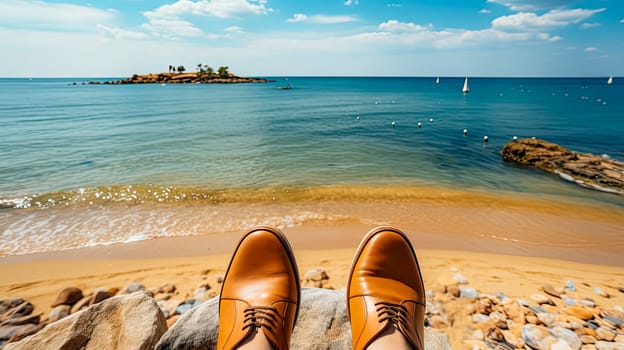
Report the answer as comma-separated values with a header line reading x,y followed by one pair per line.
x,y
584,169
553,318
183,78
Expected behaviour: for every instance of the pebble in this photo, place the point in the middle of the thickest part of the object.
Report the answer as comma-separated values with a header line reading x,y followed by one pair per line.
x,y
68,296
453,290
569,301
587,339
467,292
571,286
580,312
601,293
167,288
477,335
480,318
615,320
220,279
436,321
603,333
460,278
59,312
541,299
316,275
546,318
550,290
588,347
537,337
568,336
498,319
560,345
133,287
621,289
604,345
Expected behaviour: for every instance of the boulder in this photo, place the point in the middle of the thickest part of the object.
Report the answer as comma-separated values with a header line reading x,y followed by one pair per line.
x,y
322,324
131,321
584,169
23,309
13,333
68,296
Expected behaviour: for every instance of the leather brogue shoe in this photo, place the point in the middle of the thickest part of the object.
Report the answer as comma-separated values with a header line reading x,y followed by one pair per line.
x,y
385,289
260,291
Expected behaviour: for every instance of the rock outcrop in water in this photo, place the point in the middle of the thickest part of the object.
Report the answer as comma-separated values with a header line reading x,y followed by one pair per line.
x,y
584,169
184,78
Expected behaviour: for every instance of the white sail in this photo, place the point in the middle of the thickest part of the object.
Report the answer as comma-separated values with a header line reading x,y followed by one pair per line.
x,y
438,80
465,88
610,81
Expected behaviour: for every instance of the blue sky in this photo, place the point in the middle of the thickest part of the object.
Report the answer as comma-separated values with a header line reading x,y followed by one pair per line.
x,y
314,37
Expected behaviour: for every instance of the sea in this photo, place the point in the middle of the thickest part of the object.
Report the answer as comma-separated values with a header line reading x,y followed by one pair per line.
x,y
84,165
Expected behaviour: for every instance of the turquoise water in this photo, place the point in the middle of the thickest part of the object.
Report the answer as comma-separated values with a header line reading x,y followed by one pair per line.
x,y
60,137
84,165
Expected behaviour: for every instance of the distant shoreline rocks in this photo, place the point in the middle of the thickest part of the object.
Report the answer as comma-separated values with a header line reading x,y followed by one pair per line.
x,y
183,78
584,169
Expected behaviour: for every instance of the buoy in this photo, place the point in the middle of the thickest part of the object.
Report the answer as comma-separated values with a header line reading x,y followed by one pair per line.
x,y
419,124
533,137
357,118
393,124
515,138
485,139
465,131
392,101
376,102
430,120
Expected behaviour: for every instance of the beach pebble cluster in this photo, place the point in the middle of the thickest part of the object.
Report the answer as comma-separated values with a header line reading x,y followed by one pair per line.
x,y
552,318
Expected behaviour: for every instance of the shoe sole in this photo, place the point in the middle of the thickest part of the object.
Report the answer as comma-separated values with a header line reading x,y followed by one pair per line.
x,y
364,242
291,256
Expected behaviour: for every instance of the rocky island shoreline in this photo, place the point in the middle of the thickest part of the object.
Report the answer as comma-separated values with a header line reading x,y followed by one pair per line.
x,y
584,169
202,76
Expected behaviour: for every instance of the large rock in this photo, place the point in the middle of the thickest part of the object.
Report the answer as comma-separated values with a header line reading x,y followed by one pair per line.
x,y
131,321
322,324
584,169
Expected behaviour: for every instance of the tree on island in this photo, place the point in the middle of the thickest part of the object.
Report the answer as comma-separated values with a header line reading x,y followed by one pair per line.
x,y
170,68
223,71
208,70
181,69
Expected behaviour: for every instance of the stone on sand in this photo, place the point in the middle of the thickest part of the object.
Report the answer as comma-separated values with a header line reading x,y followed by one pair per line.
x,y
68,296
131,321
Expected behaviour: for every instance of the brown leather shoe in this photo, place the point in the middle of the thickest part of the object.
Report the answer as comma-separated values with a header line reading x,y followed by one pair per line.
x,y
260,292
385,289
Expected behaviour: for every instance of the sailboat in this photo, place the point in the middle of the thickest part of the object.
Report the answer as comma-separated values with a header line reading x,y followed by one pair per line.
x,y
465,89
610,81
287,87
438,80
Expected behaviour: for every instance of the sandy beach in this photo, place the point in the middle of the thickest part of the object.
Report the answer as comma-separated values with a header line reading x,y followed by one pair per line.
x,y
545,244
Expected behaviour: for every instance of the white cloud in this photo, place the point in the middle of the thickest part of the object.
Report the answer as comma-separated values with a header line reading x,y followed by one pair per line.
x,y
171,28
590,49
531,5
118,33
233,29
321,19
394,5
212,8
166,21
352,2
297,17
604,56
396,26
526,21
485,11
55,16
588,25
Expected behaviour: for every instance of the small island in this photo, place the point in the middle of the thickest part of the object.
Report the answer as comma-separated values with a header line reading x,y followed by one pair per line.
x,y
177,75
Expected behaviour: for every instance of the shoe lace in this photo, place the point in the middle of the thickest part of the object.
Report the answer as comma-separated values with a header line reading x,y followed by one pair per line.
x,y
260,316
394,313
